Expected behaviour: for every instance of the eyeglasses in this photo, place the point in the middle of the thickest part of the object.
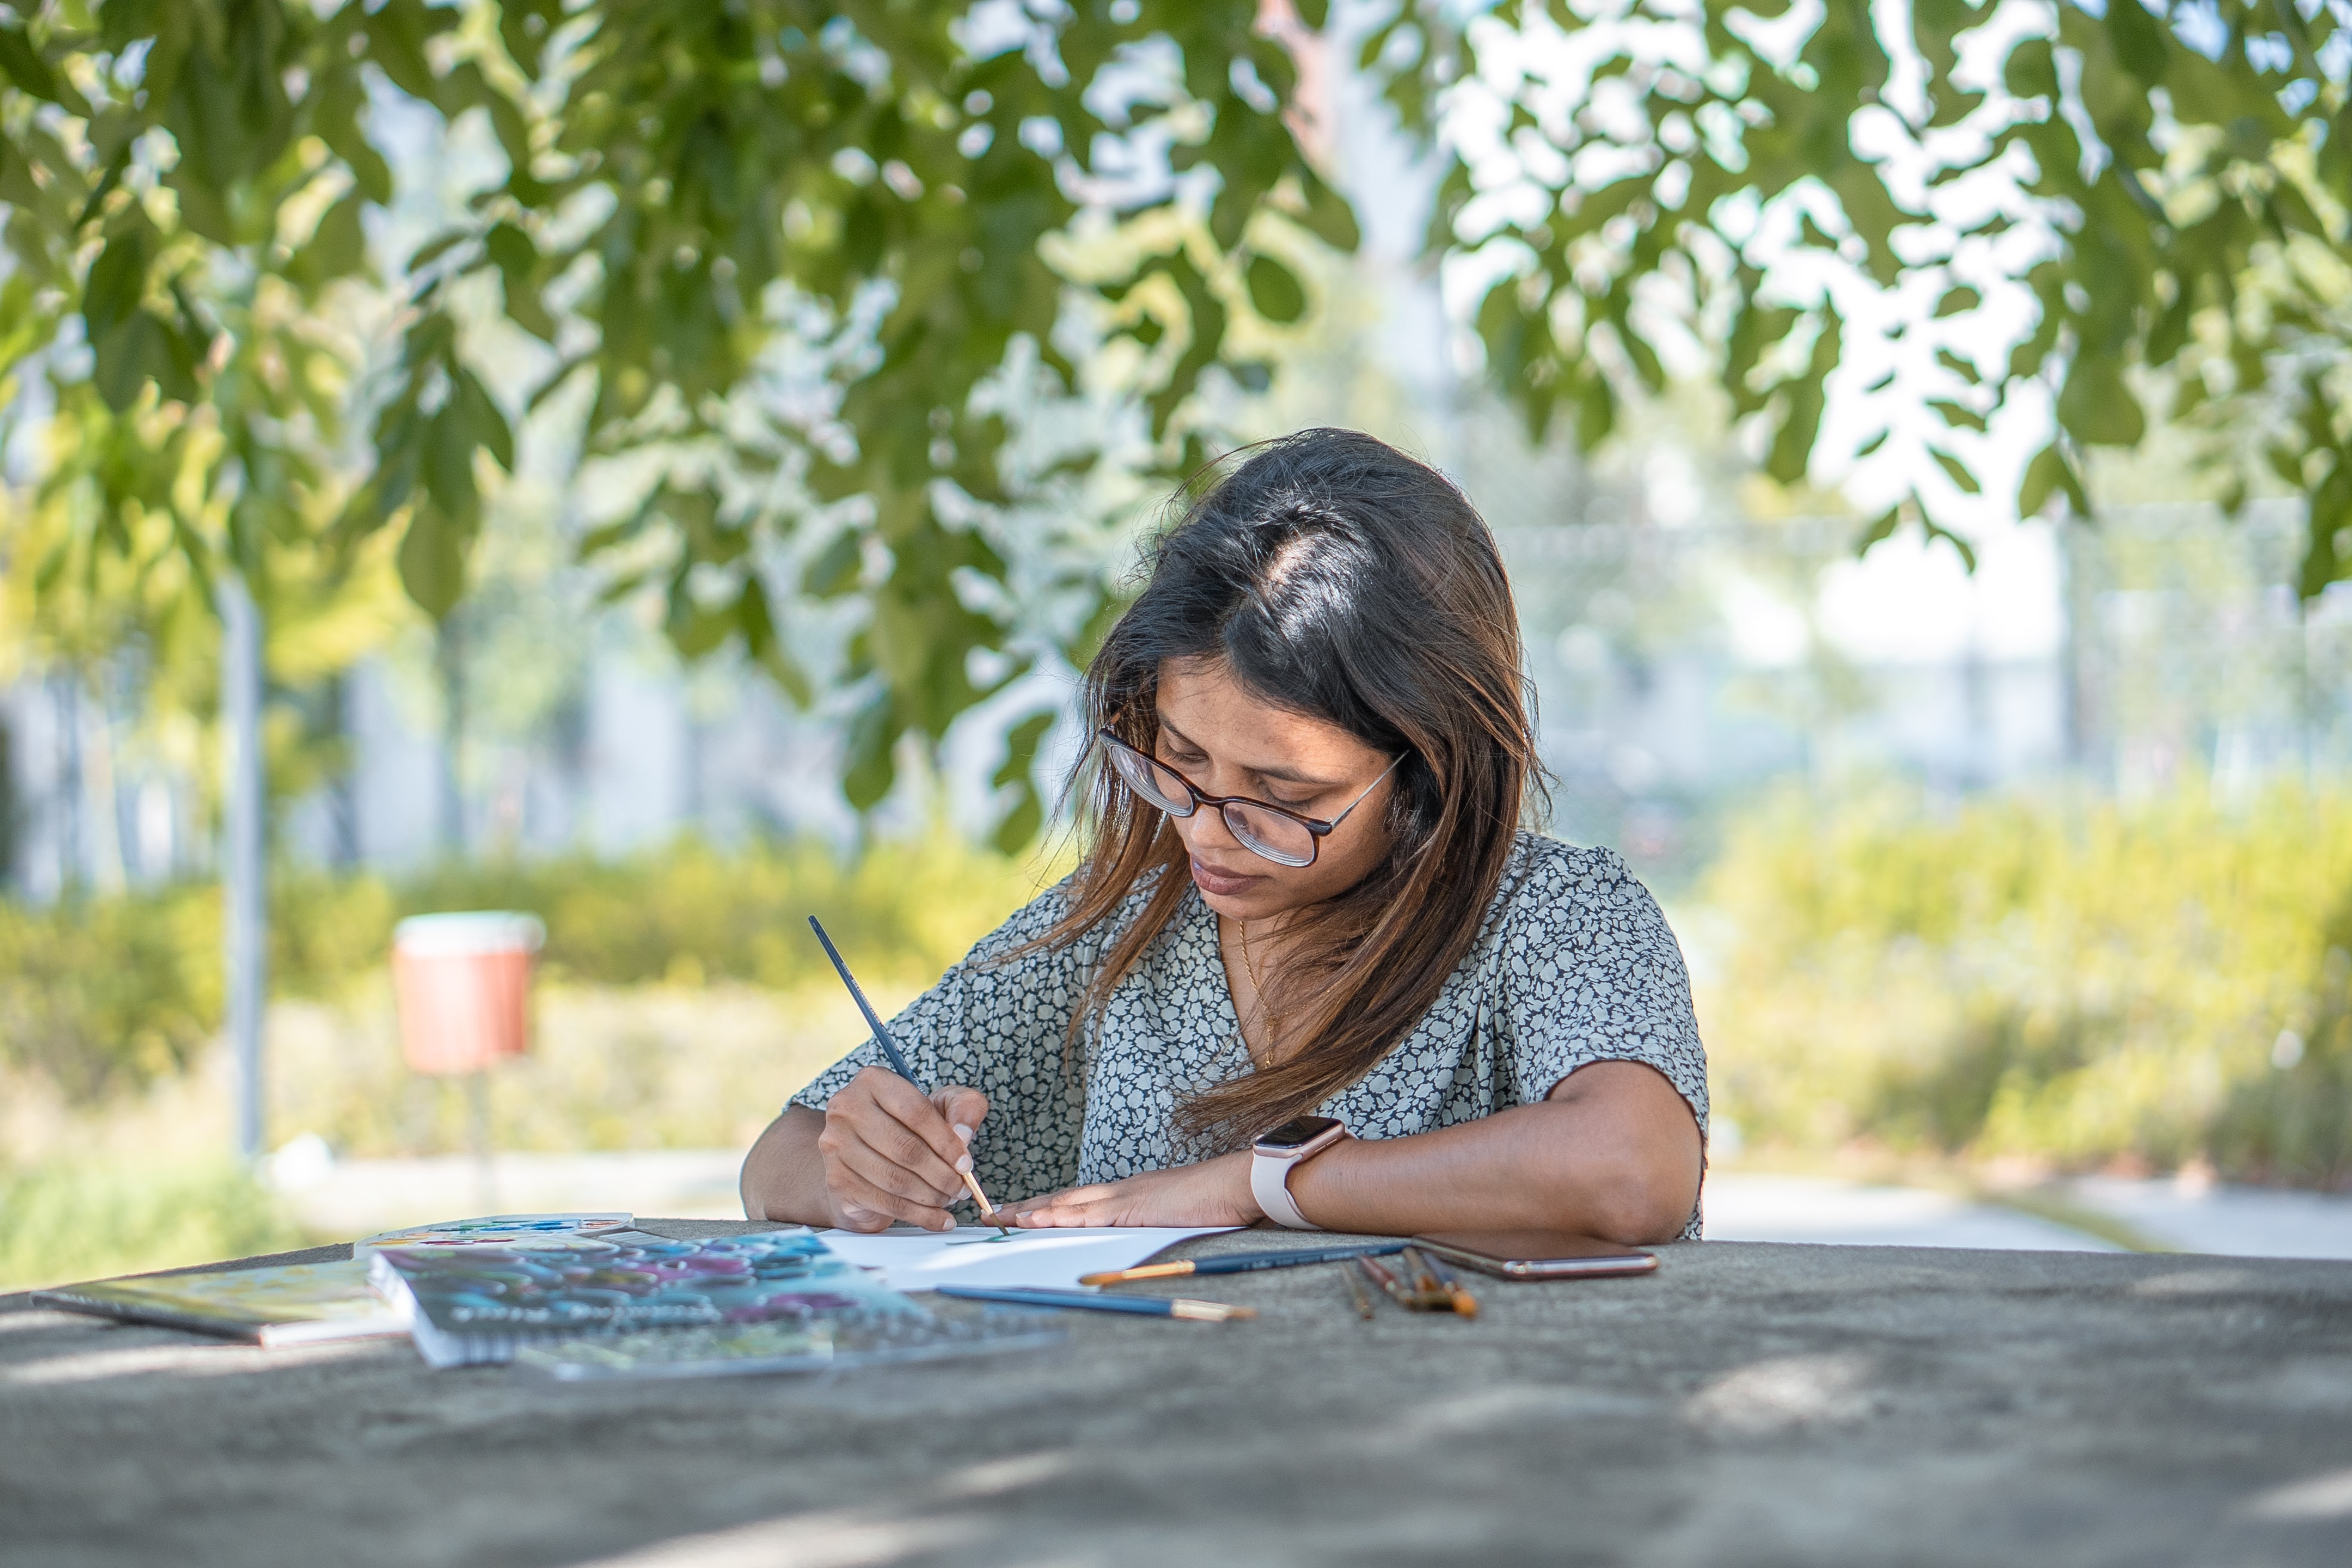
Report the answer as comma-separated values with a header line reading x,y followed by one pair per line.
x,y
1266,831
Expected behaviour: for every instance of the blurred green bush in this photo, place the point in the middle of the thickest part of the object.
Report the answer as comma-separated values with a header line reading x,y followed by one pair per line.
x,y
2079,982
99,996
81,1220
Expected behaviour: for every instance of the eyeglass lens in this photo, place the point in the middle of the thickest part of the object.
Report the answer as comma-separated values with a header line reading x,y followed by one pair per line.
x,y
1278,838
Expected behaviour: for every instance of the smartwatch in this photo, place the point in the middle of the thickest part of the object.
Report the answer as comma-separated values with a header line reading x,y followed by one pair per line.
x,y
1281,1151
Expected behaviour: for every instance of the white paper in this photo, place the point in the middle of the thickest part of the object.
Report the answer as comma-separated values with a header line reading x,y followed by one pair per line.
x,y
914,1260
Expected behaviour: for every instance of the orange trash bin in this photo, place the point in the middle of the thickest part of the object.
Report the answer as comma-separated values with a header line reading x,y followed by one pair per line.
x,y
462,985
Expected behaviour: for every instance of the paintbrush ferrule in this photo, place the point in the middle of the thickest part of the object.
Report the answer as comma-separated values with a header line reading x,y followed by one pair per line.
x,y
1208,1311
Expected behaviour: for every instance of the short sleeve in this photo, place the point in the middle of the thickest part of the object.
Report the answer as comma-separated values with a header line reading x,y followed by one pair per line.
x,y
998,1021
1591,972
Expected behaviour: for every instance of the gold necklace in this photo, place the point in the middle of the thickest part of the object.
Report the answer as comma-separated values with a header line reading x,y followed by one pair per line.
x,y
1257,994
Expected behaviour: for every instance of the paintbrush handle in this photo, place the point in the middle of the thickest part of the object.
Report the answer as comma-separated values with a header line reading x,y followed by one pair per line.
x,y
873,1019
1088,1301
1244,1262
890,1050
1388,1282
972,1183
1147,1271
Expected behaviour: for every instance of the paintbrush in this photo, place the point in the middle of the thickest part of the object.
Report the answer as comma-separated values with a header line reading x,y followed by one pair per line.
x,y
1089,1301
898,1061
1437,1286
1244,1262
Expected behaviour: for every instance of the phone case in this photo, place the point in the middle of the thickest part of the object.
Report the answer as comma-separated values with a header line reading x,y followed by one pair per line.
x,y
1537,1254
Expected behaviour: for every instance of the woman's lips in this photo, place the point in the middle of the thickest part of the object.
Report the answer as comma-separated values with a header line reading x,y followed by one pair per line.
x,y
1224,883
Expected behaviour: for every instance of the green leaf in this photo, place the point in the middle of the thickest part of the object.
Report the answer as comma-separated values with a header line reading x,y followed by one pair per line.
x,y
478,416
836,568
118,279
433,562
433,249
873,736
396,36
127,358
25,67
1275,293
2141,42
517,261
336,249
2050,474
1955,470
1027,814
525,26
1959,417
2096,406
1964,298
1329,218
450,466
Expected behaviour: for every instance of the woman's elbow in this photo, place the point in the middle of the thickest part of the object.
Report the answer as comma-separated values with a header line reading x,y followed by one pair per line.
x,y
1646,1196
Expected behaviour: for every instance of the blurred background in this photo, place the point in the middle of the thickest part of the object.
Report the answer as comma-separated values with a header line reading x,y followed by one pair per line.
x,y
1993,777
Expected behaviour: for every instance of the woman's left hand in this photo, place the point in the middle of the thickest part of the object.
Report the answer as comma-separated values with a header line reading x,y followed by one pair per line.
x,y
1214,1192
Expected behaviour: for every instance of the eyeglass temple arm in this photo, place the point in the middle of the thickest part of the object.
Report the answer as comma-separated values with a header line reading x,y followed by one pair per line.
x,y
1368,790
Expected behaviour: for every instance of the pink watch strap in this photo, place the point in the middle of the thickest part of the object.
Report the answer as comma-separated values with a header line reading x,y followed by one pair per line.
x,y
1270,1184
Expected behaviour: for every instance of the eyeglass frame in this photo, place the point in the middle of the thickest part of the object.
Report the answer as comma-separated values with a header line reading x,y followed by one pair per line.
x,y
1317,829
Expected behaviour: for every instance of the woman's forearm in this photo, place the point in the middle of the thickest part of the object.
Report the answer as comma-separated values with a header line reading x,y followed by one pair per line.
x,y
783,1176
1613,1152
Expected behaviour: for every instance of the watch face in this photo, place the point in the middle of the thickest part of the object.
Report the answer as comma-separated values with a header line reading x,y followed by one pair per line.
x,y
1297,1132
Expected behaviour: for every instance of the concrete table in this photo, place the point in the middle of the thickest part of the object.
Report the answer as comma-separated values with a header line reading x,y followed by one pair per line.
x,y
1748,1404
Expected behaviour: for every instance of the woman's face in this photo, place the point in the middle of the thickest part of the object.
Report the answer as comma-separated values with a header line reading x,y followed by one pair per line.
x,y
1229,742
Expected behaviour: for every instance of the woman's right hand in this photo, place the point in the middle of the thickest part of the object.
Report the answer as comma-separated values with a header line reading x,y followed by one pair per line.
x,y
892,1153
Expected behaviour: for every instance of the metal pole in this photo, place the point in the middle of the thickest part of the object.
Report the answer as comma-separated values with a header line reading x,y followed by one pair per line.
x,y
478,1119
247,924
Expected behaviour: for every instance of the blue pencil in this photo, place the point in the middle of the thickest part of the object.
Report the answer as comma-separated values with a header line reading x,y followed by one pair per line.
x,y
1087,1300
897,1060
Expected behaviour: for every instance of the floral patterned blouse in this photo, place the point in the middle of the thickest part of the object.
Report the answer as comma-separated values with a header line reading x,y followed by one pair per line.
x,y
1573,965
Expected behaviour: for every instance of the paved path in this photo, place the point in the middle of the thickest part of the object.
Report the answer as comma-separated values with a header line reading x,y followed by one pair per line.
x,y
1748,1406
2243,1222
1744,1207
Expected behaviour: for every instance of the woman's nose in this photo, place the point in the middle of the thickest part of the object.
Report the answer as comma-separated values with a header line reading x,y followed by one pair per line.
x,y
1207,829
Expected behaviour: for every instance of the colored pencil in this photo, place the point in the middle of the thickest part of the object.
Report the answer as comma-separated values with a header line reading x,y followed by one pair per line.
x,y
1088,1301
1244,1262
898,1060
1388,1282
1431,1279
1364,1307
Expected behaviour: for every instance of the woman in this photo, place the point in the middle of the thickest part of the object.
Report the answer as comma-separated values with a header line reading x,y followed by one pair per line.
x,y
1306,891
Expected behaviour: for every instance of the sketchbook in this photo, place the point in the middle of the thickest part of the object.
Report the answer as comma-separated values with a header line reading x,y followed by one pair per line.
x,y
480,1305
498,1230
295,1304
912,1260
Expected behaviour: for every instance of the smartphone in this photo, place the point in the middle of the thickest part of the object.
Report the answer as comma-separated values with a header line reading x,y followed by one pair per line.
x,y
1537,1254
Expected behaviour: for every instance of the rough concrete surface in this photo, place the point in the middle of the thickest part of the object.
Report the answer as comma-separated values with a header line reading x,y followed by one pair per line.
x,y
1747,1405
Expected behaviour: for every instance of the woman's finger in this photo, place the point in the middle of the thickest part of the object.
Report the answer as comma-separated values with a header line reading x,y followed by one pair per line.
x,y
852,1195
962,1108
884,1113
933,1186
913,1109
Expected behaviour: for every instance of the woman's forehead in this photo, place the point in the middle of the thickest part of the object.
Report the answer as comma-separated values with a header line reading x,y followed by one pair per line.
x,y
1200,699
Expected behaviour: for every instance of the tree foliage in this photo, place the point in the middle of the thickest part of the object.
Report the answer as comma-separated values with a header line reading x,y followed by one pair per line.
x,y
684,184
889,190
2171,185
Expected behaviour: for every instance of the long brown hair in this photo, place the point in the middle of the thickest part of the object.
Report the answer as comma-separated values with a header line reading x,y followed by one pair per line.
x,y
1338,578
